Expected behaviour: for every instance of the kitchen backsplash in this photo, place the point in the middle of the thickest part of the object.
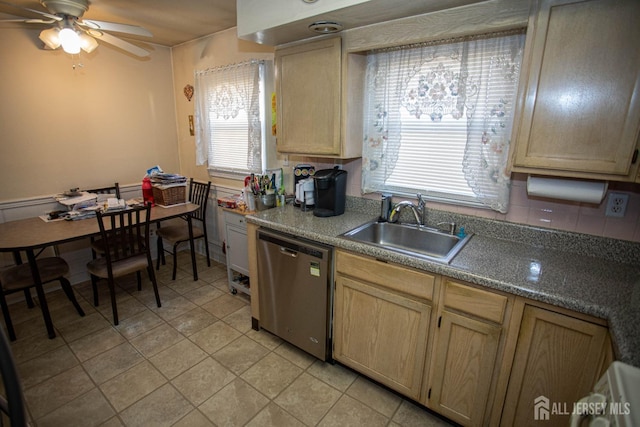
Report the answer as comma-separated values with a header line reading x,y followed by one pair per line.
x,y
540,212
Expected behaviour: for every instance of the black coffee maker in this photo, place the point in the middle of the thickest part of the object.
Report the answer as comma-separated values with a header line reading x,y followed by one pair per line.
x,y
330,192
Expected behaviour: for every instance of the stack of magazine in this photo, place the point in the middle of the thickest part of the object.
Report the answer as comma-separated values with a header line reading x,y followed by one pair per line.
x,y
161,179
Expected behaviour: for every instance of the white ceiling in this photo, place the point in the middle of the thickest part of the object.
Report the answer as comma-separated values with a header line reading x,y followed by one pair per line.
x,y
171,22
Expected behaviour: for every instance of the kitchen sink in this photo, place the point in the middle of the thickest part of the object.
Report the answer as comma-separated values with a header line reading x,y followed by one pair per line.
x,y
409,239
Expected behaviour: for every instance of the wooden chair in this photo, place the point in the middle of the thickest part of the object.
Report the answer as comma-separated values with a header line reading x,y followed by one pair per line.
x,y
115,189
177,234
126,237
18,278
12,400
97,245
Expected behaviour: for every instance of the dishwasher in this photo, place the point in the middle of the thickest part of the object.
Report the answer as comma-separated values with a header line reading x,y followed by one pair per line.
x,y
295,278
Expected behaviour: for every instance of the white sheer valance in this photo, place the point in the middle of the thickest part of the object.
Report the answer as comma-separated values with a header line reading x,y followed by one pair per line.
x,y
438,119
225,95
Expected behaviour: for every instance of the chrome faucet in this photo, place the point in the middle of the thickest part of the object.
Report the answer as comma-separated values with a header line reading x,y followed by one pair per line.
x,y
419,211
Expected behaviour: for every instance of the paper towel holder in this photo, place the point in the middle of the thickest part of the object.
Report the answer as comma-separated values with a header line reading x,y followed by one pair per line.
x,y
567,189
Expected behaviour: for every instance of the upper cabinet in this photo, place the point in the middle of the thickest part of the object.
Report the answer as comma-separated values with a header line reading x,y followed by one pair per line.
x,y
314,84
579,112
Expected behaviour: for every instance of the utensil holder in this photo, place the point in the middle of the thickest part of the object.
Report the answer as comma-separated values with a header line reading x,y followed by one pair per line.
x,y
265,201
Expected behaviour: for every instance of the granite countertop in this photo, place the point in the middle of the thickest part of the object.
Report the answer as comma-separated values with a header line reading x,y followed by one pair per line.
x,y
592,285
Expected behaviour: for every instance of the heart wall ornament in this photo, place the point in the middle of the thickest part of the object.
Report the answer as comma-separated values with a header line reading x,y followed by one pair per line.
x,y
188,92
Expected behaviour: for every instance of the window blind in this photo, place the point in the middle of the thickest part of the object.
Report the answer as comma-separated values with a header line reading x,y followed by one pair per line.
x,y
229,111
438,119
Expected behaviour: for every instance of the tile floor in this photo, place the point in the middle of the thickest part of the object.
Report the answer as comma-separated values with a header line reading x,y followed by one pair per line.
x,y
194,362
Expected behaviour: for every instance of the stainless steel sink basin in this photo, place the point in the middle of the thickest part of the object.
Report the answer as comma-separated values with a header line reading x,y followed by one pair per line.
x,y
408,239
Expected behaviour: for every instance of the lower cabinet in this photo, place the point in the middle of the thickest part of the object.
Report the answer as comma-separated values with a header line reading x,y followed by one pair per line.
x,y
557,361
476,356
382,315
465,349
237,252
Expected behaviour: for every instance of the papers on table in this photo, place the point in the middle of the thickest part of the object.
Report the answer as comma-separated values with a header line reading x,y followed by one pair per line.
x,y
114,204
136,201
85,206
84,199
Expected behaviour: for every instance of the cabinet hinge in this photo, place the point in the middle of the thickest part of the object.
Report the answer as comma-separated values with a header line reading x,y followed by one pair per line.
x,y
635,157
429,394
439,321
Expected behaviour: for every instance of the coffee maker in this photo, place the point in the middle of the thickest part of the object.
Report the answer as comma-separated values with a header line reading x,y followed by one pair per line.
x,y
330,192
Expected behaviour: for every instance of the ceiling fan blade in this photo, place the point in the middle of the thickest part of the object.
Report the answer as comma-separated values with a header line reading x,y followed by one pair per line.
x,y
108,38
118,28
29,21
39,12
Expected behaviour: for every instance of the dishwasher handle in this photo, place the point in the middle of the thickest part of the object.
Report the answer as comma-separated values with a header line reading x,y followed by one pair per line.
x,y
288,252
295,245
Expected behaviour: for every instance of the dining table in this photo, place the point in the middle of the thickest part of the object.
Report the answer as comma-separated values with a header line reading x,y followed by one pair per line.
x,y
32,234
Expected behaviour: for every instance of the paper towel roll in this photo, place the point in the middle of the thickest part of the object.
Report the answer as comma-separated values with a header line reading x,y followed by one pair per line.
x,y
567,189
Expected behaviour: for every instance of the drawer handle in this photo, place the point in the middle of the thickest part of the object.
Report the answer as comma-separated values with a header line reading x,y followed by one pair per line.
x,y
288,252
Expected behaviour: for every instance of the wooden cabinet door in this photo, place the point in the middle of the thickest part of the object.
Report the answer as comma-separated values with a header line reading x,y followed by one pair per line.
x,y
381,334
464,359
581,83
557,358
308,86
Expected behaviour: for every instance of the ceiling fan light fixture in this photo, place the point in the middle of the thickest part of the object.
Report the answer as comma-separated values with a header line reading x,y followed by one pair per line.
x,y
70,41
50,38
88,43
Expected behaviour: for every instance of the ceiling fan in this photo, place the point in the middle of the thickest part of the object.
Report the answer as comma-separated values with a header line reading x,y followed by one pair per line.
x,y
72,33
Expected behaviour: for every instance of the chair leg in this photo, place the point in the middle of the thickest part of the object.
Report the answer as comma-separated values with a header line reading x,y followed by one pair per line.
x,y
66,287
94,285
139,277
28,298
44,307
7,318
114,308
175,261
160,250
152,277
206,247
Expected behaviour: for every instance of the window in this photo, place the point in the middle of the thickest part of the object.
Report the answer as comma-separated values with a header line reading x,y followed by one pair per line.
x,y
230,105
438,120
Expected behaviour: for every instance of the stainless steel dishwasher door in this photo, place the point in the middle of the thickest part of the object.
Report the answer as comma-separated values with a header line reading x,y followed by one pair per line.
x,y
295,279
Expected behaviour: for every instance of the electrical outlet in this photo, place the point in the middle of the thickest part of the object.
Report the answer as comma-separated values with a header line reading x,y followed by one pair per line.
x,y
617,205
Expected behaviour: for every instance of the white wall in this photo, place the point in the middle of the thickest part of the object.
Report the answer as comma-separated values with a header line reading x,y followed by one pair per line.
x,y
82,121
216,50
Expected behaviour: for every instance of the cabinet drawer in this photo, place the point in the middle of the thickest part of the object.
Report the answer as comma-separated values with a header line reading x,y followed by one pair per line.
x,y
480,303
402,279
235,219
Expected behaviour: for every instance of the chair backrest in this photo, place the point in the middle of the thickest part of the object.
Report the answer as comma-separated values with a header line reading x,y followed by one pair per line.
x,y
199,195
125,232
115,189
